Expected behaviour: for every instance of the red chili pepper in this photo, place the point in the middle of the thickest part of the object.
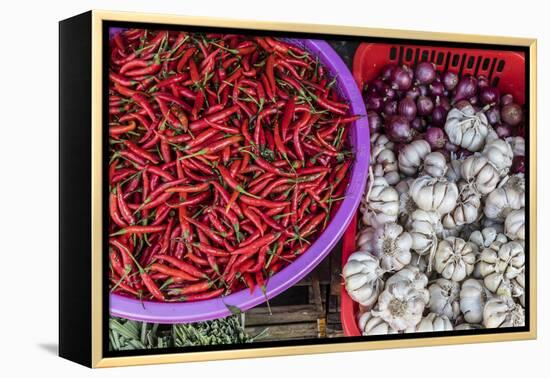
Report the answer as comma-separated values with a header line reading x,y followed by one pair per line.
x,y
113,210
139,230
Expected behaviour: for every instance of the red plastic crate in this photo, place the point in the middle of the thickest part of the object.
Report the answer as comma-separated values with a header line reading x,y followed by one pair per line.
x,y
505,70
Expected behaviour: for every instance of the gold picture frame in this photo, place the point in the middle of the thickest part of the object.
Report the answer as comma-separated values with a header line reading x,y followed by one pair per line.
x,y
97,331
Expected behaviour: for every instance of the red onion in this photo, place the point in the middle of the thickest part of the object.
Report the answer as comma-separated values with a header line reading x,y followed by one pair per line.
x,y
418,124
462,104
413,93
390,107
493,115
424,91
511,114
374,103
463,153
435,137
518,164
379,86
450,147
425,72
474,100
375,121
466,88
407,108
424,106
398,129
489,95
506,99
444,102
390,93
386,72
449,80
503,130
401,78
439,116
437,89
482,81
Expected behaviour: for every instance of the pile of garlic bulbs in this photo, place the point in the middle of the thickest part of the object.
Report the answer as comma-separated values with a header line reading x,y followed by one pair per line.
x,y
441,240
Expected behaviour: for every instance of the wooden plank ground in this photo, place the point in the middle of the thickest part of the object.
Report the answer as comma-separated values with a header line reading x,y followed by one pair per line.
x,y
309,309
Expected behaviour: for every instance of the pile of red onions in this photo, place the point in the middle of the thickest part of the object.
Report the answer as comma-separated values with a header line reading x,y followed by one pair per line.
x,y
407,104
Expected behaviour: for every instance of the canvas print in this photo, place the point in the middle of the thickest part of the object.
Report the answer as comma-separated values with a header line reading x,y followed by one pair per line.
x,y
282,189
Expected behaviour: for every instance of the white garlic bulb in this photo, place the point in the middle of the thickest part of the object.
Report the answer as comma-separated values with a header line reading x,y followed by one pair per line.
x,y
400,305
382,204
501,312
466,128
385,166
365,238
473,296
514,225
503,200
517,144
419,262
494,223
434,194
435,164
498,265
499,153
480,173
424,227
392,245
467,208
412,276
379,142
374,325
487,236
454,167
412,155
362,276
455,258
433,323
444,298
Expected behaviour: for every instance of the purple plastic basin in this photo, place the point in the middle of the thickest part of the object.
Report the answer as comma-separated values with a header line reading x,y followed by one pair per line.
x,y
187,312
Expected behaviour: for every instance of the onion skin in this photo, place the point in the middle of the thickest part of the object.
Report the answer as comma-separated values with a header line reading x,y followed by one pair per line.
x,y
443,101
511,114
439,116
407,108
466,88
375,121
482,81
413,93
462,104
390,107
489,96
435,137
424,106
506,99
386,72
437,89
493,115
398,129
425,73
449,80
401,78
503,130
374,103
518,164
418,124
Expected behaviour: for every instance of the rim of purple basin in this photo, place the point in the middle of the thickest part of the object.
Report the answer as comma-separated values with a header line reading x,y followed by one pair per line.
x,y
187,312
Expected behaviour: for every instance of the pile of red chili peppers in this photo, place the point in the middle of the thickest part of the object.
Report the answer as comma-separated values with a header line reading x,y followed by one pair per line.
x,y
228,154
